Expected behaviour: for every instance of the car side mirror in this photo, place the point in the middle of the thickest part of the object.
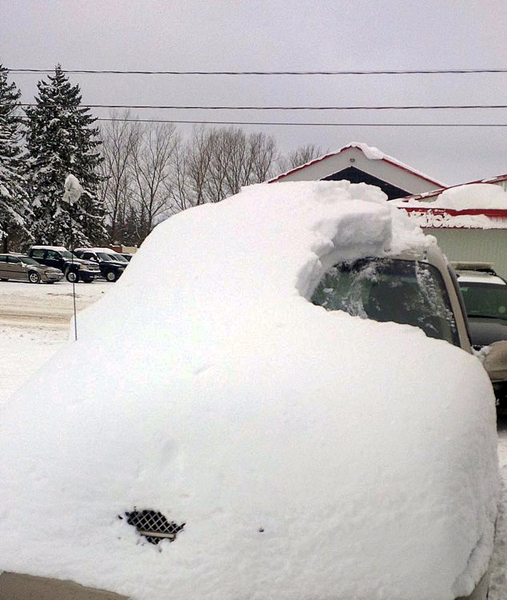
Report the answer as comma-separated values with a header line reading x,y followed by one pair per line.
x,y
495,361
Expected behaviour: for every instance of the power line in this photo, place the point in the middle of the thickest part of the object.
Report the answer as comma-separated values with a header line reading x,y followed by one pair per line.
x,y
301,124
270,73
292,108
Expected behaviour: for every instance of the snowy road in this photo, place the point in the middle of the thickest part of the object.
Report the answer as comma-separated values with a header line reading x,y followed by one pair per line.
x,y
34,324
45,305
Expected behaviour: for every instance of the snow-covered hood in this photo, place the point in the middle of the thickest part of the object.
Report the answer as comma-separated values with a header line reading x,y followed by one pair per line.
x,y
310,454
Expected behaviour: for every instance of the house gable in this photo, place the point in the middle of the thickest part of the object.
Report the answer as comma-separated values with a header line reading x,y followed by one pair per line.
x,y
368,161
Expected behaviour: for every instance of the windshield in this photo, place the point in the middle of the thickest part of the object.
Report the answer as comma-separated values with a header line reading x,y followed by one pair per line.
x,y
105,257
29,261
120,258
485,300
401,291
67,254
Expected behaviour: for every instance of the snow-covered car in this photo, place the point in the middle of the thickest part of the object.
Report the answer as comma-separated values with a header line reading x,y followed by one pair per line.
x,y
245,442
485,297
23,268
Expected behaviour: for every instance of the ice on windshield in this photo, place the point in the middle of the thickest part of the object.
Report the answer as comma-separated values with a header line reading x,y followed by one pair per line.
x,y
401,291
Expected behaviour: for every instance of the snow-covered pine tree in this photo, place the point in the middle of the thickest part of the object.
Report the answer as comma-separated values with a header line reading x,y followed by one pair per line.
x,y
15,210
62,141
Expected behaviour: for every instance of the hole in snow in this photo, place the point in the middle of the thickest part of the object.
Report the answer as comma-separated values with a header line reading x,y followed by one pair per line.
x,y
153,525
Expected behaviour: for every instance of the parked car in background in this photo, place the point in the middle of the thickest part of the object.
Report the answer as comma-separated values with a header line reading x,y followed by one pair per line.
x,y
485,296
126,256
110,263
74,268
23,268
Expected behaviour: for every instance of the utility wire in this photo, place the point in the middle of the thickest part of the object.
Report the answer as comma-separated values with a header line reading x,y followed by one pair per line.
x,y
292,108
294,124
269,73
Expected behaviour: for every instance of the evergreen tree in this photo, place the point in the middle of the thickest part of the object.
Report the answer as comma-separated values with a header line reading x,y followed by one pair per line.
x,y
62,141
14,204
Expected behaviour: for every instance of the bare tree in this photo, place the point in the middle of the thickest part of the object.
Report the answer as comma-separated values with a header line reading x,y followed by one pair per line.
x,y
151,174
216,163
300,156
121,140
153,168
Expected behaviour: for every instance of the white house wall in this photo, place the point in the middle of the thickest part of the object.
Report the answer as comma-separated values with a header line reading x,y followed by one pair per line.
x,y
475,245
354,157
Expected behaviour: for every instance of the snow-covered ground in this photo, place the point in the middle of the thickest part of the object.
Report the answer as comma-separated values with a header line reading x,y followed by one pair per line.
x,y
34,323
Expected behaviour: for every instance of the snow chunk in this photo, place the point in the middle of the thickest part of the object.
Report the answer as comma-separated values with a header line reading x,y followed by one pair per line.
x,y
73,189
310,454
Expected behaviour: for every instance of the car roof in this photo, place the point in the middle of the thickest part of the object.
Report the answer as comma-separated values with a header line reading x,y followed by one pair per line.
x,y
59,248
105,250
466,276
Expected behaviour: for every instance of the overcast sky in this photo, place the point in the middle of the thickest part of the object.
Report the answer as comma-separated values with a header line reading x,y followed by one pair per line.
x,y
274,35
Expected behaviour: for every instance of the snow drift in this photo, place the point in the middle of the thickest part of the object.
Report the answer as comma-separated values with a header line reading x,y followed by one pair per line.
x,y
310,454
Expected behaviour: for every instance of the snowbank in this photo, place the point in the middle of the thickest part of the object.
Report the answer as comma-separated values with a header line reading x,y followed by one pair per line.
x,y
310,454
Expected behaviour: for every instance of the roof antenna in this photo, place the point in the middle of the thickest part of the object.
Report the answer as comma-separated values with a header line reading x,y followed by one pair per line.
x,y
73,191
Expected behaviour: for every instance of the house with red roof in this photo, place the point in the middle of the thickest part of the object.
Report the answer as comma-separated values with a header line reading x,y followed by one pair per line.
x,y
360,163
469,220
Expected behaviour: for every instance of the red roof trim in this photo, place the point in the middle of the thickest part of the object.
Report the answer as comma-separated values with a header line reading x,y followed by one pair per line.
x,y
494,213
308,164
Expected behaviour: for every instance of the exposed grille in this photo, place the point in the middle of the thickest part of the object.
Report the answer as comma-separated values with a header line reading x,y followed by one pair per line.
x,y
153,525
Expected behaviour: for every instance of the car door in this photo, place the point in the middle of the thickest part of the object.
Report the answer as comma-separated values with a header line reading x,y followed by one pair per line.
x,y
53,259
15,269
90,256
38,254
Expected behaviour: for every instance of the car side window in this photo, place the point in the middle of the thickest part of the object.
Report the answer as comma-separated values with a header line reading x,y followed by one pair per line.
x,y
53,255
38,253
3,259
13,259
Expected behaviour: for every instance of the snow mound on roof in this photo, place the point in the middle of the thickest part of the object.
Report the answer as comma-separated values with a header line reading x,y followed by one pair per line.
x,y
369,151
269,242
310,454
472,196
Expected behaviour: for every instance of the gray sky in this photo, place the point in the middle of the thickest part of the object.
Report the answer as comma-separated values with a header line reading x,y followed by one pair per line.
x,y
311,35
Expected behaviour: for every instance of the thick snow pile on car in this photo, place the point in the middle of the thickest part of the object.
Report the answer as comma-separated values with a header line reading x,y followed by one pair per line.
x,y
301,453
